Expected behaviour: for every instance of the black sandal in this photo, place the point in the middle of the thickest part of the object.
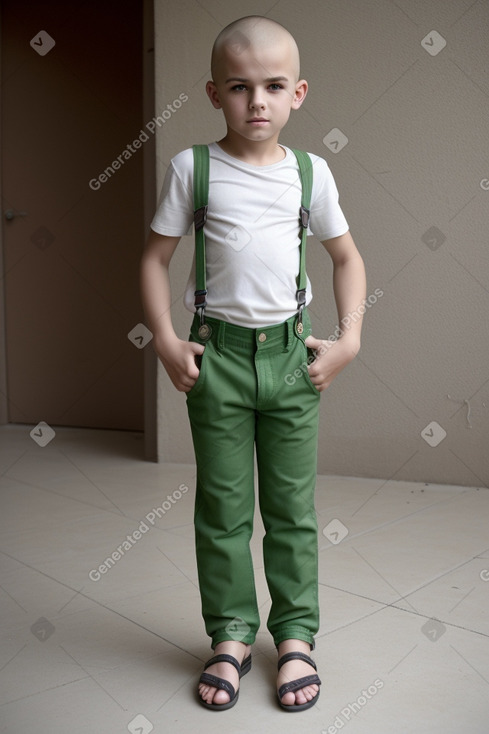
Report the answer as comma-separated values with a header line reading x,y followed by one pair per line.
x,y
296,685
215,682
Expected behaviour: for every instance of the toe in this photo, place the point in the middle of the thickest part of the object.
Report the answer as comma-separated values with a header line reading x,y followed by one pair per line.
x,y
204,693
210,694
312,691
288,699
306,694
221,697
301,697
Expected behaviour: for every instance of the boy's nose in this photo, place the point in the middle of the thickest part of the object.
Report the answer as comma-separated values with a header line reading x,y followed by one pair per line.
x,y
256,101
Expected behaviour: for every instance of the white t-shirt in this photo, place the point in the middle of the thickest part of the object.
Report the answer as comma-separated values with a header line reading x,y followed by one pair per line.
x,y
251,233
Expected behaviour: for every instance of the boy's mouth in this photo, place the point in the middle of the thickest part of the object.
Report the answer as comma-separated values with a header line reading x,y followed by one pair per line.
x,y
257,121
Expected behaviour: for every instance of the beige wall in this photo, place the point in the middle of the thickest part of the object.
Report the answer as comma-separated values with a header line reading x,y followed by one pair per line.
x,y
416,159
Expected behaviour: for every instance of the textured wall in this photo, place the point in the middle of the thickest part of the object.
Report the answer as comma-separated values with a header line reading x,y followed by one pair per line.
x,y
398,106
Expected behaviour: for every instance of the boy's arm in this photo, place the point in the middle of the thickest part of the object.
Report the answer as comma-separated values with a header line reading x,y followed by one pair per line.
x,y
349,285
177,356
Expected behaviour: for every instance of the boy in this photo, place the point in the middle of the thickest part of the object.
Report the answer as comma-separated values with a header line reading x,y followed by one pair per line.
x,y
234,370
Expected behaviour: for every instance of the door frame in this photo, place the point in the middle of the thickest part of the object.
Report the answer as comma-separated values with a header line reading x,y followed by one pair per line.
x,y
3,341
149,182
150,197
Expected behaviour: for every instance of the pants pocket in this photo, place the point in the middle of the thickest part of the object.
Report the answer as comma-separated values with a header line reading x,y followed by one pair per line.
x,y
201,362
310,357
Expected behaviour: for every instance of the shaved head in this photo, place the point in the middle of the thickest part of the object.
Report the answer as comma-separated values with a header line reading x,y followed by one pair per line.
x,y
251,33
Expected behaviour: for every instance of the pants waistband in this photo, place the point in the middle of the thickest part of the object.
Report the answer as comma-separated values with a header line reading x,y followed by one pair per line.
x,y
278,336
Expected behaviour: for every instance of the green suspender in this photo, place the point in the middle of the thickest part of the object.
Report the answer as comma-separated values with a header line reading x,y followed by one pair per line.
x,y
201,195
305,172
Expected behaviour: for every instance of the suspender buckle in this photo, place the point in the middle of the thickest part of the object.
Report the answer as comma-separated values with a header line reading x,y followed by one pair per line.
x,y
304,215
200,217
200,299
301,298
200,303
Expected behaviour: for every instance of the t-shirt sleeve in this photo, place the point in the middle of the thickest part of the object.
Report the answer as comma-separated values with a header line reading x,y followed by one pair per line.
x,y
174,214
327,219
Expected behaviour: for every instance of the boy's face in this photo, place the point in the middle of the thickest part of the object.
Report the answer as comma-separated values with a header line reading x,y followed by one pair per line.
x,y
256,88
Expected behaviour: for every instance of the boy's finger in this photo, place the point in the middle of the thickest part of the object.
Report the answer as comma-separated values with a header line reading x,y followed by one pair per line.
x,y
197,348
312,342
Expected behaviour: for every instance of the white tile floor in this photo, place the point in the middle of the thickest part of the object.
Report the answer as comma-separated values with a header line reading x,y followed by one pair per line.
x,y
404,640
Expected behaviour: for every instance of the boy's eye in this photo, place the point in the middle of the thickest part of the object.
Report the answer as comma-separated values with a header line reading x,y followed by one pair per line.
x,y
274,87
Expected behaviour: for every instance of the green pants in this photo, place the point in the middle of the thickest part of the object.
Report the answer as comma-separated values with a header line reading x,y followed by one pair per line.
x,y
254,390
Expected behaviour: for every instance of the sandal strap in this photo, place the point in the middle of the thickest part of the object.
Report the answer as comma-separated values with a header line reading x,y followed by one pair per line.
x,y
223,658
215,682
296,656
297,684
245,666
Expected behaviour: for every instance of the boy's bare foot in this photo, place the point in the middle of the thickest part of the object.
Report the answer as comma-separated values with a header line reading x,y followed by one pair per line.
x,y
227,671
296,669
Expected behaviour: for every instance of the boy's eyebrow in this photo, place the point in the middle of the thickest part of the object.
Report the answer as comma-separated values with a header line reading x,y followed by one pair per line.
x,y
270,79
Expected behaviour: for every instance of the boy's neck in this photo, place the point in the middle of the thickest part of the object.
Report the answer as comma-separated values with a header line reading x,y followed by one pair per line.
x,y
256,153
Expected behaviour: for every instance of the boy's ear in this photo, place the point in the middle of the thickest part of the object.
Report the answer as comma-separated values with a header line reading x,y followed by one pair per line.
x,y
300,93
213,94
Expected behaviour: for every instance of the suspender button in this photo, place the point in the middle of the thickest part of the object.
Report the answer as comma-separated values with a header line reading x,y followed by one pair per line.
x,y
262,337
204,332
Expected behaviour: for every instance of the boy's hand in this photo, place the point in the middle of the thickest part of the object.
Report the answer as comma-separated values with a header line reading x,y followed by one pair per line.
x,y
331,358
178,359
